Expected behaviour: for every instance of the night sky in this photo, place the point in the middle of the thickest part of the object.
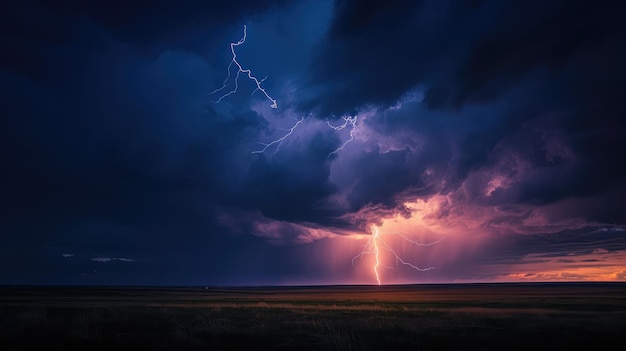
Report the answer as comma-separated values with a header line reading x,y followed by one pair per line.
x,y
489,132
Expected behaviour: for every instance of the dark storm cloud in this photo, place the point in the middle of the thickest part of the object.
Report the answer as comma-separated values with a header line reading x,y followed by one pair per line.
x,y
291,188
566,244
113,153
110,152
463,51
144,19
166,21
30,29
116,154
539,81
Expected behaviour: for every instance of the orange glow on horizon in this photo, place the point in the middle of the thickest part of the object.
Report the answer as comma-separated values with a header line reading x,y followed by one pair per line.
x,y
599,265
469,248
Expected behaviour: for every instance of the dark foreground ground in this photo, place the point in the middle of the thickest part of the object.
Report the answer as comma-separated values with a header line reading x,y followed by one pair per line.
x,y
423,317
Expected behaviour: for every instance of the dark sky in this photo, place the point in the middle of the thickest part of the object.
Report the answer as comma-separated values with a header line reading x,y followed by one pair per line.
x,y
493,130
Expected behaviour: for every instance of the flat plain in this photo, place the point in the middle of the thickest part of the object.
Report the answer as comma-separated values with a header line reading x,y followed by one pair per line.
x,y
541,316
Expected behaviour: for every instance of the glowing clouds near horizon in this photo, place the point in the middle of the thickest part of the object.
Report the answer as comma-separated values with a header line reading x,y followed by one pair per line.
x,y
406,245
376,243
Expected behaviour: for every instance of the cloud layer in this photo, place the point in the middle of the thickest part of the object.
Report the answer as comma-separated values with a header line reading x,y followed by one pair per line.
x,y
497,126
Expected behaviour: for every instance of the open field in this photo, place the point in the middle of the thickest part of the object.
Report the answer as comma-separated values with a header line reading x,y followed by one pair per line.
x,y
418,317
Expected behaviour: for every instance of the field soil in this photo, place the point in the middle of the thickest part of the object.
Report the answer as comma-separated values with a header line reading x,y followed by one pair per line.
x,y
563,316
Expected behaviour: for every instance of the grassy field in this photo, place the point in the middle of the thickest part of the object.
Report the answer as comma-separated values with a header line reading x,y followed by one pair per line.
x,y
419,317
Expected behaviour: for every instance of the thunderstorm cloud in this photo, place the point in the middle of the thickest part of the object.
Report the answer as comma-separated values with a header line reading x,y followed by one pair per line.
x,y
497,126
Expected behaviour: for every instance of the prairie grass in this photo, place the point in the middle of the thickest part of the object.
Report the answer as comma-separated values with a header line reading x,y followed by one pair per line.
x,y
313,319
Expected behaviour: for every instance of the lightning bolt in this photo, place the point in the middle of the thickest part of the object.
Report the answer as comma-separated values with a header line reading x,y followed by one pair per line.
x,y
240,70
375,235
374,245
347,120
280,140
